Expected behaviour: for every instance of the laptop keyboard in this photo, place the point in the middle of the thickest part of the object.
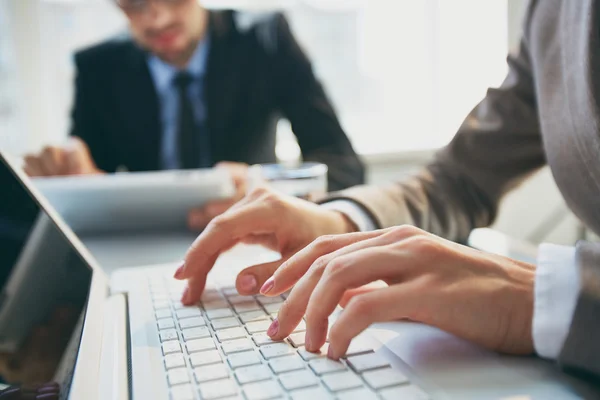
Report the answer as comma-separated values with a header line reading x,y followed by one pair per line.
x,y
220,350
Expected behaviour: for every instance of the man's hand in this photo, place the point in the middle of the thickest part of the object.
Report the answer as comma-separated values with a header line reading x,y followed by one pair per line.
x,y
74,158
481,297
200,217
282,223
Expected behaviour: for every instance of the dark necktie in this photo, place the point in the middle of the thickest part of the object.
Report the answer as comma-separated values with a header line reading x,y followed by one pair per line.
x,y
188,135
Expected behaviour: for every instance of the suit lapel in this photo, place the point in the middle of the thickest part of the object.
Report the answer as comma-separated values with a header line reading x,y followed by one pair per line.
x,y
139,108
222,80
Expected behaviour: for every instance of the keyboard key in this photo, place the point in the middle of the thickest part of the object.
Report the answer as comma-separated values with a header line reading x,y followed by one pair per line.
x,y
211,372
210,295
230,334
200,345
311,394
168,334
324,365
286,364
246,307
170,347
261,339
163,313
218,389
358,346
191,322
253,316
262,391
244,359
224,323
239,299
195,333
178,376
175,360
166,323
182,392
258,326
254,373
188,313
357,394
301,327
264,300
215,305
219,313
205,358
273,307
298,379
236,346
276,350
383,378
177,305
161,305
366,362
230,291
404,392
307,355
297,339
342,381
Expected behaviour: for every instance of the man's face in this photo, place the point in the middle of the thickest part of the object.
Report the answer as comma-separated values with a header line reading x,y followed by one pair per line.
x,y
170,29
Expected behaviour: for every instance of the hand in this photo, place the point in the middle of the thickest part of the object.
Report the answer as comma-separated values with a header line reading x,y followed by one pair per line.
x,y
282,223
200,217
484,298
71,159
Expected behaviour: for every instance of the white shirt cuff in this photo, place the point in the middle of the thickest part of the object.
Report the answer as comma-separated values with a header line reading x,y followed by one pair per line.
x,y
557,285
353,211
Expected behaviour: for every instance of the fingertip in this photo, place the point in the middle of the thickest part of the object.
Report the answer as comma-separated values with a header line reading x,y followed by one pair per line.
x,y
247,284
180,272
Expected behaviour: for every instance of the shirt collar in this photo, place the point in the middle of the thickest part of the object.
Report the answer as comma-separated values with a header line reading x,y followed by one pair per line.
x,y
163,73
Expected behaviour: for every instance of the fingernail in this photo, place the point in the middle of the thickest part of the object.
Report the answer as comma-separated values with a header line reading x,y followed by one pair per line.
x,y
274,328
248,283
268,286
185,295
179,272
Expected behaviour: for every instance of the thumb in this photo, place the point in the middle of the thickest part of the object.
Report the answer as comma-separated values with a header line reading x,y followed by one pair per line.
x,y
79,160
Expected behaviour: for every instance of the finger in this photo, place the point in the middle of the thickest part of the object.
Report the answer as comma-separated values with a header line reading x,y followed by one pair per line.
x,y
351,293
251,279
52,161
32,166
383,305
346,272
77,157
323,250
222,234
291,271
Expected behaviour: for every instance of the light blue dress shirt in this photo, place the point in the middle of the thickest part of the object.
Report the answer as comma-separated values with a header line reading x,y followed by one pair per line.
x,y
163,75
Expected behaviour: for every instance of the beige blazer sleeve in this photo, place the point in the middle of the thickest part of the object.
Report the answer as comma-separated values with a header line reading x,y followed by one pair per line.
x,y
496,148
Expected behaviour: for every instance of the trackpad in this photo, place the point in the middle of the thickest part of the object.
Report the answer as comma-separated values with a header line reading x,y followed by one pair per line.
x,y
454,368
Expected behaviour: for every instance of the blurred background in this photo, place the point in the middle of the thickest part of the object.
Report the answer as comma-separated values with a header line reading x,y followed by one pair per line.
x,y
397,106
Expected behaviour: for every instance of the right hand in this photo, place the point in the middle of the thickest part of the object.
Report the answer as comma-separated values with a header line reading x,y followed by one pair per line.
x,y
74,158
282,223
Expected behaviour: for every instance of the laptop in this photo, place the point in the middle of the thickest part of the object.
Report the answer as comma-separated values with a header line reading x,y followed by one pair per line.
x,y
128,336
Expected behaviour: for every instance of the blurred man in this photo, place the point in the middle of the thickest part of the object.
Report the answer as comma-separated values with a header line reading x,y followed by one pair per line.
x,y
545,112
193,88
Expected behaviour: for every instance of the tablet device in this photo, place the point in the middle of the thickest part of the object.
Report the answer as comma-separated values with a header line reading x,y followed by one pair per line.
x,y
134,201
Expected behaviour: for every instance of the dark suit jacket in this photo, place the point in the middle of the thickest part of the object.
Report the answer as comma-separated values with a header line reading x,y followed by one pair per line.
x,y
254,76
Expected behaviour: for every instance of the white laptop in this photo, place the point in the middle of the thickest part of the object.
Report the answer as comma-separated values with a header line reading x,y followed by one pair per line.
x,y
130,338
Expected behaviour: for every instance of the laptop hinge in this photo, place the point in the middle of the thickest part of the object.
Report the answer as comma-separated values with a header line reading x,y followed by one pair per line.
x,y
113,381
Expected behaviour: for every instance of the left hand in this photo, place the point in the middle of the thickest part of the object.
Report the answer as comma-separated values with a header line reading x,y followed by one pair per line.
x,y
200,217
481,297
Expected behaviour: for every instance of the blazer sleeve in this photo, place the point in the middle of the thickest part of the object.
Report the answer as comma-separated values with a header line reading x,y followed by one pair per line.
x,y
581,350
303,102
87,120
498,145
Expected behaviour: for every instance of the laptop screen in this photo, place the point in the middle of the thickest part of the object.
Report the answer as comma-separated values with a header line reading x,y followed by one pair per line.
x,y
44,286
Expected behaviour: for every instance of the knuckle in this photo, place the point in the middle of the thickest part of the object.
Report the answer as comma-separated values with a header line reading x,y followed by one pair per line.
x,y
404,231
359,305
258,192
324,244
422,244
320,265
220,222
336,267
